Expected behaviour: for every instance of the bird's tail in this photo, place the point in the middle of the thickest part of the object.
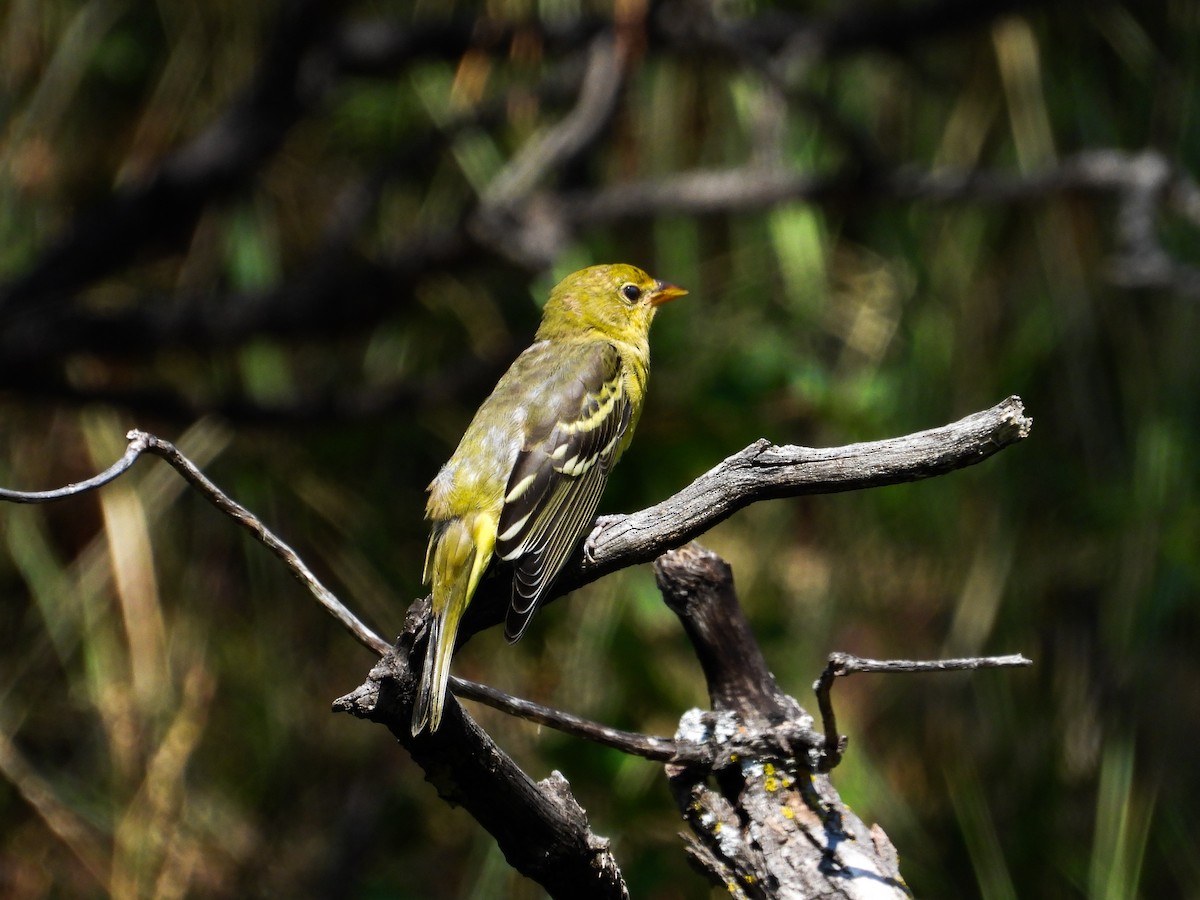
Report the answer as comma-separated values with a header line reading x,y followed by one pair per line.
x,y
459,551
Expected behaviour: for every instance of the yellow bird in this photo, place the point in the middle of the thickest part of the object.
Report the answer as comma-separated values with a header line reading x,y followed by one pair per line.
x,y
527,476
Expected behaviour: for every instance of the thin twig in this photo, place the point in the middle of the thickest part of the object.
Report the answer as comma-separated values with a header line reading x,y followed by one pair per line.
x,y
695,748
647,746
142,442
251,522
132,452
841,664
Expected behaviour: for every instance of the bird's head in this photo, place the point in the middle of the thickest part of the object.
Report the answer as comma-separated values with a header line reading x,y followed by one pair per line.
x,y
619,301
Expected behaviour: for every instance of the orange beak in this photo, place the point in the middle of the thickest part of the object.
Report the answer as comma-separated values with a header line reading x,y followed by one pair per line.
x,y
664,293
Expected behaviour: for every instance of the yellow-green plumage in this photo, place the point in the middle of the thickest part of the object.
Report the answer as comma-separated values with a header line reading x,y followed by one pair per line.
x,y
527,476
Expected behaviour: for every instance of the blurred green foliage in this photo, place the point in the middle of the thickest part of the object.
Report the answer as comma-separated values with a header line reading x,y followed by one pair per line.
x,y
164,685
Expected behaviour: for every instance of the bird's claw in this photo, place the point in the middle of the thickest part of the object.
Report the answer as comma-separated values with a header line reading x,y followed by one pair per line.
x,y
589,545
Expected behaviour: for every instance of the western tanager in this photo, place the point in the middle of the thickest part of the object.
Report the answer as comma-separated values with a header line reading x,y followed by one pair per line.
x,y
524,483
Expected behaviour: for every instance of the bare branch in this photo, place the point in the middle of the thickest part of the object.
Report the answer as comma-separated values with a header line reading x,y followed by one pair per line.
x,y
753,720
214,495
505,219
766,723
540,828
762,471
132,452
765,471
646,746
142,442
693,747
771,818
842,664
759,472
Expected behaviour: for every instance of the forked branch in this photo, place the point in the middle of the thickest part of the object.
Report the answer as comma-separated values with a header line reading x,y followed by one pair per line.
x,y
539,826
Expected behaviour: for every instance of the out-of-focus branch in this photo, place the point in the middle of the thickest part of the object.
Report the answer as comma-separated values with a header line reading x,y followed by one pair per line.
x,y
344,294
524,216
309,53
465,378
1145,185
784,37
505,218
306,56
335,295
163,207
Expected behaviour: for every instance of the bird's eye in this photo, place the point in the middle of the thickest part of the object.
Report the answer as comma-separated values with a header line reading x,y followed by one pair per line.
x,y
631,292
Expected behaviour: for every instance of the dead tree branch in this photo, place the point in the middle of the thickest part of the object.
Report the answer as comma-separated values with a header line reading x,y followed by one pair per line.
x,y
764,471
842,664
140,442
539,826
766,826
781,730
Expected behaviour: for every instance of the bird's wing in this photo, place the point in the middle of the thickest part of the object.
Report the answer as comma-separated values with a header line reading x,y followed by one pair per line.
x,y
560,472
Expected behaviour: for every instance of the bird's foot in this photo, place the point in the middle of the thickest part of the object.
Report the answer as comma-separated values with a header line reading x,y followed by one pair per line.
x,y
589,545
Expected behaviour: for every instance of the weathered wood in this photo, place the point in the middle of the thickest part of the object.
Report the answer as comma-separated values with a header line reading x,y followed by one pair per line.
x,y
765,825
764,471
757,739
539,826
697,586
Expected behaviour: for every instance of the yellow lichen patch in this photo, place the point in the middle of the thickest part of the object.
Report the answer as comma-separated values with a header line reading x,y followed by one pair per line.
x,y
769,768
788,813
771,783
